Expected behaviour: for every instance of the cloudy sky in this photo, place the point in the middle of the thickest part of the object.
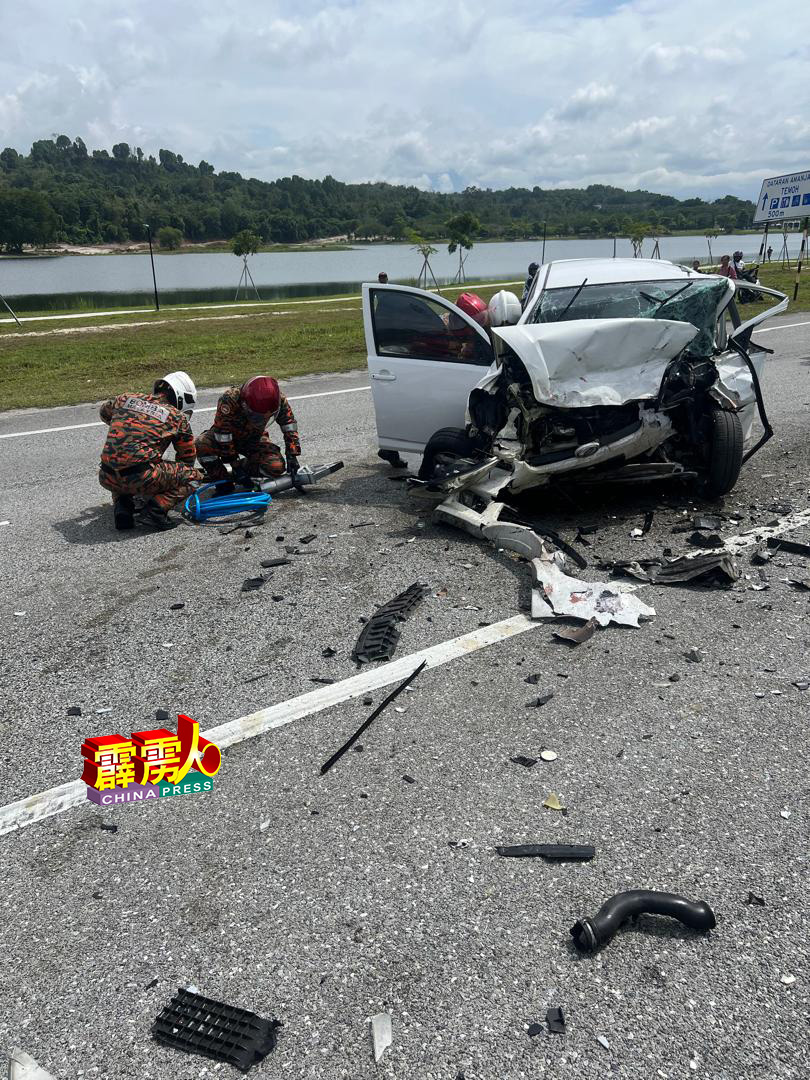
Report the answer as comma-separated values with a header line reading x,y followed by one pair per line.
x,y
692,98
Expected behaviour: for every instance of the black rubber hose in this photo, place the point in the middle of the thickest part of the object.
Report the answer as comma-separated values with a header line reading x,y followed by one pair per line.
x,y
589,934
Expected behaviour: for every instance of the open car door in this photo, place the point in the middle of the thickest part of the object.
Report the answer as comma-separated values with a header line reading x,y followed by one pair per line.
x,y
425,355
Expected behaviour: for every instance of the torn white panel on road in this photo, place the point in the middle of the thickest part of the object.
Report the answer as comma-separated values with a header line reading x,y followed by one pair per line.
x,y
381,1033
583,599
21,1066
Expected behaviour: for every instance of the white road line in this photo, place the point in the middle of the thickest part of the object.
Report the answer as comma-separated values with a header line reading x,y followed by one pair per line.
x,y
211,408
58,799
787,326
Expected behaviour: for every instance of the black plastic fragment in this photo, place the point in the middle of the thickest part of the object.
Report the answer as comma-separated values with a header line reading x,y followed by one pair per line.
x,y
338,754
176,607
161,716
533,680
526,762
539,701
74,710
252,583
308,538
574,852
589,934
198,1025
707,540
648,520
754,900
555,1020
320,679
535,1029
378,638
708,522
328,652
408,779
107,828
792,547
278,561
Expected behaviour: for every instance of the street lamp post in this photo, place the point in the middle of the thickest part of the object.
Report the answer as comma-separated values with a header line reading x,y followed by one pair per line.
x,y
152,257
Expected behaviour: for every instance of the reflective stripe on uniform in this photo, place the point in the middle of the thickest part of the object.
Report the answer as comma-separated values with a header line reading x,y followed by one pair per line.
x,y
223,436
208,458
289,427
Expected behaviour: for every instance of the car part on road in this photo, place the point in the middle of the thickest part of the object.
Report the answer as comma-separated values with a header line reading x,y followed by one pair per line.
x,y
589,934
381,1033
308,538
526,762
552,802
572,852
378,638
278,561
74,710
538,702
198,1025
754,900
535,1029
791,547
252,583
577,635
555,1020
702,564
338,754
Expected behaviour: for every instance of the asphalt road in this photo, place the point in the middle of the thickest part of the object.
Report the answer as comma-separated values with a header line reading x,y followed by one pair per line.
x,y
324,900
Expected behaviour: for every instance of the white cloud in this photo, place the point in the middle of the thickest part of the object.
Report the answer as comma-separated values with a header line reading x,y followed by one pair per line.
x,y
637,93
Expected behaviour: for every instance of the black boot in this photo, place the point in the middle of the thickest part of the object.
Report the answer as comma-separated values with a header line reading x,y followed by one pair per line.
x,y
156,517
123,512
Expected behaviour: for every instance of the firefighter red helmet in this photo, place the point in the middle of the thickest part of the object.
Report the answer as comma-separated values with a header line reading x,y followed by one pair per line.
x,y
261,395
472,305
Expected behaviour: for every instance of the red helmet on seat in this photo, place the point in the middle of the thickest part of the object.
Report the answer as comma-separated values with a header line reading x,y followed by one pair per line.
x,y
472,304
261,395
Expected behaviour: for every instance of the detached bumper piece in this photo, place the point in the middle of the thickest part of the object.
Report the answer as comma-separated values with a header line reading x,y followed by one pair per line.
x,y
198,1025
378,638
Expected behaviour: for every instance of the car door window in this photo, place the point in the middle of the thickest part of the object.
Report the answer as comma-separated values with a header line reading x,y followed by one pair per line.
x,y
412,326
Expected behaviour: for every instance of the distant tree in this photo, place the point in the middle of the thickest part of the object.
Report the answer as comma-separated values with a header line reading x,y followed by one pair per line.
x,y
101,155
26,217
246,243
10,158
121,151
637,232
206,169
169,238
79,149
460,230
63,142
168,160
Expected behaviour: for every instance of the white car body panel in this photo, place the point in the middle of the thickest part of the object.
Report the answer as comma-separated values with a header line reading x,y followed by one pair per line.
x,y
414,398
588,362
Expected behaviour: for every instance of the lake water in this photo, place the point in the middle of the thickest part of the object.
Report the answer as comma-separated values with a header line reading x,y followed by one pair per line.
x,y
96,281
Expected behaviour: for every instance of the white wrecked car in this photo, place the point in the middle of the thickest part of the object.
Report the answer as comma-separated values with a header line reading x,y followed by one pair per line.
x,y
617,369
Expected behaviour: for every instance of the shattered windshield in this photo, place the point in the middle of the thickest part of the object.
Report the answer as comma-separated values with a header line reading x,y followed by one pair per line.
x,y
694,301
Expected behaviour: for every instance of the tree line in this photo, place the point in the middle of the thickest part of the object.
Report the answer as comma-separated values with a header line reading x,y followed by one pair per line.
x,y
62,192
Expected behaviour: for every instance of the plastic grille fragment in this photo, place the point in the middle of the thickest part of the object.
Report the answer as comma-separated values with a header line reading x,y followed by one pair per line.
x,y
380,635
199,1025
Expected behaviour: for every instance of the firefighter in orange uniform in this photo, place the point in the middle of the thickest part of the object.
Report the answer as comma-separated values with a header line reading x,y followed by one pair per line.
x,y
240,430
141,429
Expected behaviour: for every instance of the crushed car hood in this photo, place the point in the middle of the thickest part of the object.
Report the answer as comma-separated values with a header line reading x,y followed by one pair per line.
x,y
588,362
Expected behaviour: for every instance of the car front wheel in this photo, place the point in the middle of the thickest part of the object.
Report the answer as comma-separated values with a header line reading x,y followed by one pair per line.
x,y
443,446
725,453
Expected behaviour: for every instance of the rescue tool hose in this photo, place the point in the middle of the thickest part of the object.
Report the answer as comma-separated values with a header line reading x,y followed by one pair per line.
x,y
589,934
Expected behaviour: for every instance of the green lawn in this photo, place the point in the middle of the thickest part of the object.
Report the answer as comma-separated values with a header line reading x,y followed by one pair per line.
x,y
88,363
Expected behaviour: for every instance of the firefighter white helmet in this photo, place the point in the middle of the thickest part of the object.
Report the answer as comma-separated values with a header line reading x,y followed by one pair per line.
x,y
183,388
504,309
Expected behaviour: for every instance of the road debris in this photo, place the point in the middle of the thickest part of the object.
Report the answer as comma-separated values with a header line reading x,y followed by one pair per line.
x,y
802,584
328,652
279,560
543,699
408,779
362,524
791,547
753,900
784,814
555,1020
21,1066
381,1033
648,520
787,979
74,710
552,802
526,762
695,656
252,583
558,852
584,600
708,522
548,755
698,565
589,934
603,1041
535,1029
198,1025
338,754
161,715
178,606
802,684
533,680
706,540
308,538
379,637
577,635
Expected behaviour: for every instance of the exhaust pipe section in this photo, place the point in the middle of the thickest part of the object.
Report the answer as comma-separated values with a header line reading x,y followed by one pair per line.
x,y
306,476
589,934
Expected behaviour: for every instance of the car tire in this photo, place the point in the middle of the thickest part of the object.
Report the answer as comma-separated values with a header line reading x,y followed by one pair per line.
x,y
453,441
725,453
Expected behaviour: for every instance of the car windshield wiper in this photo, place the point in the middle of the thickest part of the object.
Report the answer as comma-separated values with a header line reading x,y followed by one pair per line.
x,y
573,298
660,303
